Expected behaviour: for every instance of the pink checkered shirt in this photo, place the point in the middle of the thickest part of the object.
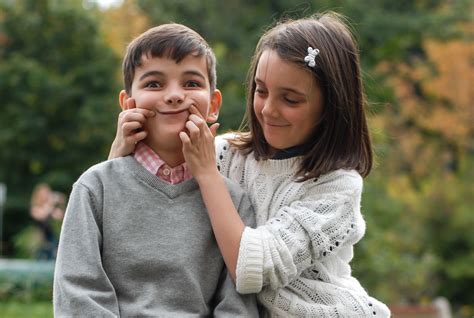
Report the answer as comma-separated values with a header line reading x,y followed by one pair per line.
x,y
153,163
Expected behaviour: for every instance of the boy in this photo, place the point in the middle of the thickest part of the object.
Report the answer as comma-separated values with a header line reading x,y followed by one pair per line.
x,y
136,239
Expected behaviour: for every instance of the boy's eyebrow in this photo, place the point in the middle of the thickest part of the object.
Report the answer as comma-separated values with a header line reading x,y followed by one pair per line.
x,y
193,72
151,73
158,73
288,89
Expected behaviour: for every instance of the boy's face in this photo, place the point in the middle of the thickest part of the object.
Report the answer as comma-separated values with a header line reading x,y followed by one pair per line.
x,y
169,89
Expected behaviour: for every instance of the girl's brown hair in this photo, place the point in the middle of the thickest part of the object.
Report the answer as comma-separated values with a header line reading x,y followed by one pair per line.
x,y
341,138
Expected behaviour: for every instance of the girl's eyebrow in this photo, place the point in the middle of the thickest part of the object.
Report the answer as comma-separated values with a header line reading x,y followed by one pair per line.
x,y
287,89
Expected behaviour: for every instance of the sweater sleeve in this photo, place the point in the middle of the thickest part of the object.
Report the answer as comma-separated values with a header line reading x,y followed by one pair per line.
x,y
308,230
81,286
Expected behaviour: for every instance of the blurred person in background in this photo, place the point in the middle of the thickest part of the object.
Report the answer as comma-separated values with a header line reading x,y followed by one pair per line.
x,y
45,207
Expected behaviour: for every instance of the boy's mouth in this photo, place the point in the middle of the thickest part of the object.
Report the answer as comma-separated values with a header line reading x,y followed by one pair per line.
x,y
172,111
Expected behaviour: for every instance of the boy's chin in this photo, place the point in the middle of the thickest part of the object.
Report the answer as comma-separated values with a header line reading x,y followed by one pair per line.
x,y
166,139
166,131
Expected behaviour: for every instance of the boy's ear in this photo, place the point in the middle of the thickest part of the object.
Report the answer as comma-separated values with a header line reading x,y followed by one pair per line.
x,y
216,103
123,96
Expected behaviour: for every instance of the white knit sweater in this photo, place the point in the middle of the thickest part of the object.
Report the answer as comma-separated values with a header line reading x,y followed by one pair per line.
x,y
298,257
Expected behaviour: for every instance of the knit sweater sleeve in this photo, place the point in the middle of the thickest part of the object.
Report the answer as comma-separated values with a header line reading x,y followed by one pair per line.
x,y
307,230
81,286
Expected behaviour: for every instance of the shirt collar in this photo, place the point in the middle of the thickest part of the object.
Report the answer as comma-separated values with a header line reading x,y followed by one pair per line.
x,y
151,161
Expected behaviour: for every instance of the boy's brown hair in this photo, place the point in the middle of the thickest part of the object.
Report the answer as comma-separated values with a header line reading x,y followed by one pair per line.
x,y
340,139
174,41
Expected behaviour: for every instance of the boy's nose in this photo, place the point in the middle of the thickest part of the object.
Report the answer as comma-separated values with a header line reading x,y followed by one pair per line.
x,y
174,97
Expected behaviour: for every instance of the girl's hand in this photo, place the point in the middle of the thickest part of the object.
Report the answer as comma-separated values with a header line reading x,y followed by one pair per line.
x,y
129,129
198,146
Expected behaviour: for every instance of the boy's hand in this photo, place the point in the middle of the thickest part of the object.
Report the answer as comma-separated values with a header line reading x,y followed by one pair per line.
x,y
198,145
129,129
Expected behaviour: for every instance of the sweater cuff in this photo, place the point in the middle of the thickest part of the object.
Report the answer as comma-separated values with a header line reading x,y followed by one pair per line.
x,y
250,262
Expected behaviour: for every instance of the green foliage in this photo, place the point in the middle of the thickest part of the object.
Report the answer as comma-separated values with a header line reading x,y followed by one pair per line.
x,y
58,87
27,281
419,241
26,309
28,242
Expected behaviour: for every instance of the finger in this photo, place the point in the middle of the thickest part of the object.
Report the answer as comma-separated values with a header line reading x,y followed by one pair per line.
x,y
184,138
197,119
214,128
137,111
130,103
129,115
129,127
194,131
139,136
133,117
193,110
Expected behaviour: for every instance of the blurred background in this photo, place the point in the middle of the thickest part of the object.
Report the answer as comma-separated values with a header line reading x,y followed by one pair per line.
x,y
60,74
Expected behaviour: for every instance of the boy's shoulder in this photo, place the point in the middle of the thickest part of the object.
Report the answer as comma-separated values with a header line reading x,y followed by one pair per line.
x,y
108,168
241,201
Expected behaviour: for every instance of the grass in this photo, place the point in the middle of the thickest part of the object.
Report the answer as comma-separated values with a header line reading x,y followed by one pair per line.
x,y
15,309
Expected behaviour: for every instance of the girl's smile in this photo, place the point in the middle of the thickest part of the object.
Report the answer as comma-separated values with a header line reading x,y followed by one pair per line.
x,y
287,101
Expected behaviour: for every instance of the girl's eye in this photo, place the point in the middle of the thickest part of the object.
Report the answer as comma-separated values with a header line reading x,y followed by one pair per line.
x,y
152,84
290,100
260,91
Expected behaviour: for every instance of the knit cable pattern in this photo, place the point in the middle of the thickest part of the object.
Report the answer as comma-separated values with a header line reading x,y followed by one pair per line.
x,y
298,257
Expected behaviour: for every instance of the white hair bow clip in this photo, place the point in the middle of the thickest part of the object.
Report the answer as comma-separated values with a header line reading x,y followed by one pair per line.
x,y
312,53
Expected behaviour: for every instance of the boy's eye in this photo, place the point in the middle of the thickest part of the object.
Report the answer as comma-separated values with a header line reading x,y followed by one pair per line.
x,y
193,84
153,84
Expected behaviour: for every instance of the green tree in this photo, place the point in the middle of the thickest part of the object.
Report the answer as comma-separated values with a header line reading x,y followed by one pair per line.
x,y
58,88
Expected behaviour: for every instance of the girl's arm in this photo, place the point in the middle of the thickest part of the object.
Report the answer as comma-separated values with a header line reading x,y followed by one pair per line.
x,y
199,152
314,226
129,130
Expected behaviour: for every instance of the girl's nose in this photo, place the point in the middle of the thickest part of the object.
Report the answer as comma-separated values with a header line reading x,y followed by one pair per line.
x,y
269,110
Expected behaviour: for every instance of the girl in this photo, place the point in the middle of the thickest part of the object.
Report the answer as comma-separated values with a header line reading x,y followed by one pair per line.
x,y
301,162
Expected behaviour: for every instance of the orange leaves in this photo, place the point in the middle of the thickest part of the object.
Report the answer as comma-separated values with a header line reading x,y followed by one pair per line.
x,y
431,119
452,90
123,23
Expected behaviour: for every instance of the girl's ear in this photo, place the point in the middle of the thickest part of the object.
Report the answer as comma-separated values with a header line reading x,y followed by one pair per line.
x,y
123,96
216,103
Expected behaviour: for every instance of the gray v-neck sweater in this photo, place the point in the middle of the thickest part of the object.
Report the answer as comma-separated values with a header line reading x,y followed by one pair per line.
x,y
134,245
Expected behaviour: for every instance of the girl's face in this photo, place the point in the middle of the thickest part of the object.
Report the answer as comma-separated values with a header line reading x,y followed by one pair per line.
x,y
287,102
